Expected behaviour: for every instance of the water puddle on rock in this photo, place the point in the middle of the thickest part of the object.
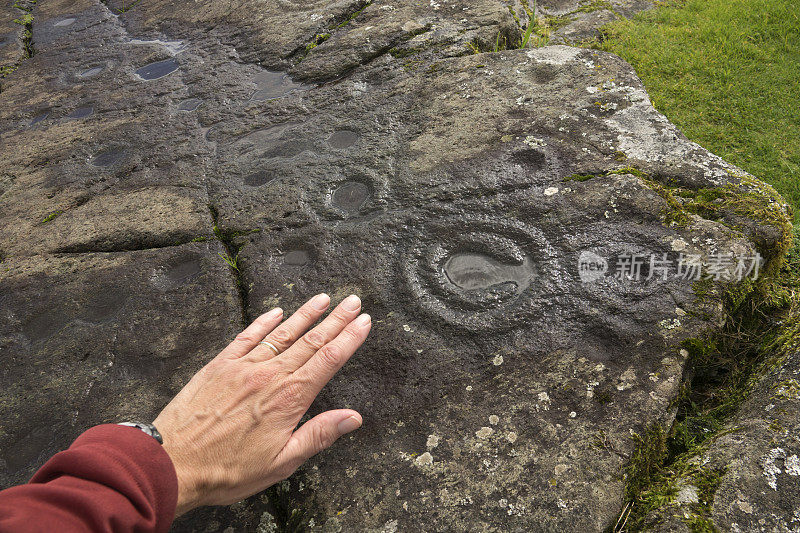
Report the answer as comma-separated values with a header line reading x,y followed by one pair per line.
x,y
108,158
296,258
272,84
37,119
350,196
159,69
64,22
475,271
343,139
81,112
189,105
90,73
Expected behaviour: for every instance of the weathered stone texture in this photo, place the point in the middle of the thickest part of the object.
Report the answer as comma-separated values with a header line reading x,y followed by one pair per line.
x,y
454,193
91,338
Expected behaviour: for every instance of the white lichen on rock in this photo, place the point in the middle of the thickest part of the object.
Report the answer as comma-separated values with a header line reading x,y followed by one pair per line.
x,y
426,459
484,432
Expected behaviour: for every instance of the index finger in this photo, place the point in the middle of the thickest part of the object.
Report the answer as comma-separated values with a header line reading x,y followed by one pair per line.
x,y
324,364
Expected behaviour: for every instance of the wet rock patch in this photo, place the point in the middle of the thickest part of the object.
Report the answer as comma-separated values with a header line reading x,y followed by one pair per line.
x,y
158,69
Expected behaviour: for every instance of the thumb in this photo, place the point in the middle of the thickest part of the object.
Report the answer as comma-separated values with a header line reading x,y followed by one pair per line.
x,y
318,434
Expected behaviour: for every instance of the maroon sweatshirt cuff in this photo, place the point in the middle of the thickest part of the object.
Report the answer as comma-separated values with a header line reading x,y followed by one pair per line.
x,y
112,478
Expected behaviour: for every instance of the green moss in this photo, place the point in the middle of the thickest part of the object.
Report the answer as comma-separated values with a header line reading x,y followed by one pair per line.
x,y
7,69
703,287
52,216
674,212
629,170
602,397
434,67
725,366
645,461
317,40
751,199
404,52
594,5
747,197
24,20
659,497
353,15
230,239
287,519
412,64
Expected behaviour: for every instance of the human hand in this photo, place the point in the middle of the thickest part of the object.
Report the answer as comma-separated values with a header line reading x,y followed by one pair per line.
x,y
230,432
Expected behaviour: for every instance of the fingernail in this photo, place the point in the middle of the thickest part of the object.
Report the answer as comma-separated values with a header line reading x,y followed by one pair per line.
x,y
275,313
363,320
352,302
320,302
349,424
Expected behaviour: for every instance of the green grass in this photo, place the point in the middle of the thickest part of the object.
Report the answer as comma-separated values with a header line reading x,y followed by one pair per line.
x,y
127,6
231,261
727,72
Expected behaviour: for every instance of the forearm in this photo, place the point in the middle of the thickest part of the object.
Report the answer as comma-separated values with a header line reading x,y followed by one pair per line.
x,y
112,478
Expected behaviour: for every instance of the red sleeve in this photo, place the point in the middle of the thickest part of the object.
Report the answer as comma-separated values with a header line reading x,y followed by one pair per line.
x,y
112,478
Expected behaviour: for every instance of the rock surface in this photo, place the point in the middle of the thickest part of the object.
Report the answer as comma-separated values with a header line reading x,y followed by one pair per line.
x,y
754,463
758,491
455,193
91,338
12,34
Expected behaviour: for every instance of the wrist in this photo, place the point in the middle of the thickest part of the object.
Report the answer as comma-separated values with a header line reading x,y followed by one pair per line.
x,y
188,494
188,491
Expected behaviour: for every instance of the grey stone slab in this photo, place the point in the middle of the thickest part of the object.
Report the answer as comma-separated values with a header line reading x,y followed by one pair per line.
x,y
93,338
455,192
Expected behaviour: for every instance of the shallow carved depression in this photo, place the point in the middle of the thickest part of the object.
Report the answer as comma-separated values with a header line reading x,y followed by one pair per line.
x,y
296,258
108,158
81,112
159,69
190,105
471,271
257,179
343,139
39,118
350,196
479,274
91,72
271,84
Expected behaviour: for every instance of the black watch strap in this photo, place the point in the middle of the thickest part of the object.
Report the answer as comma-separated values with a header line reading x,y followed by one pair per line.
x,y
150,429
